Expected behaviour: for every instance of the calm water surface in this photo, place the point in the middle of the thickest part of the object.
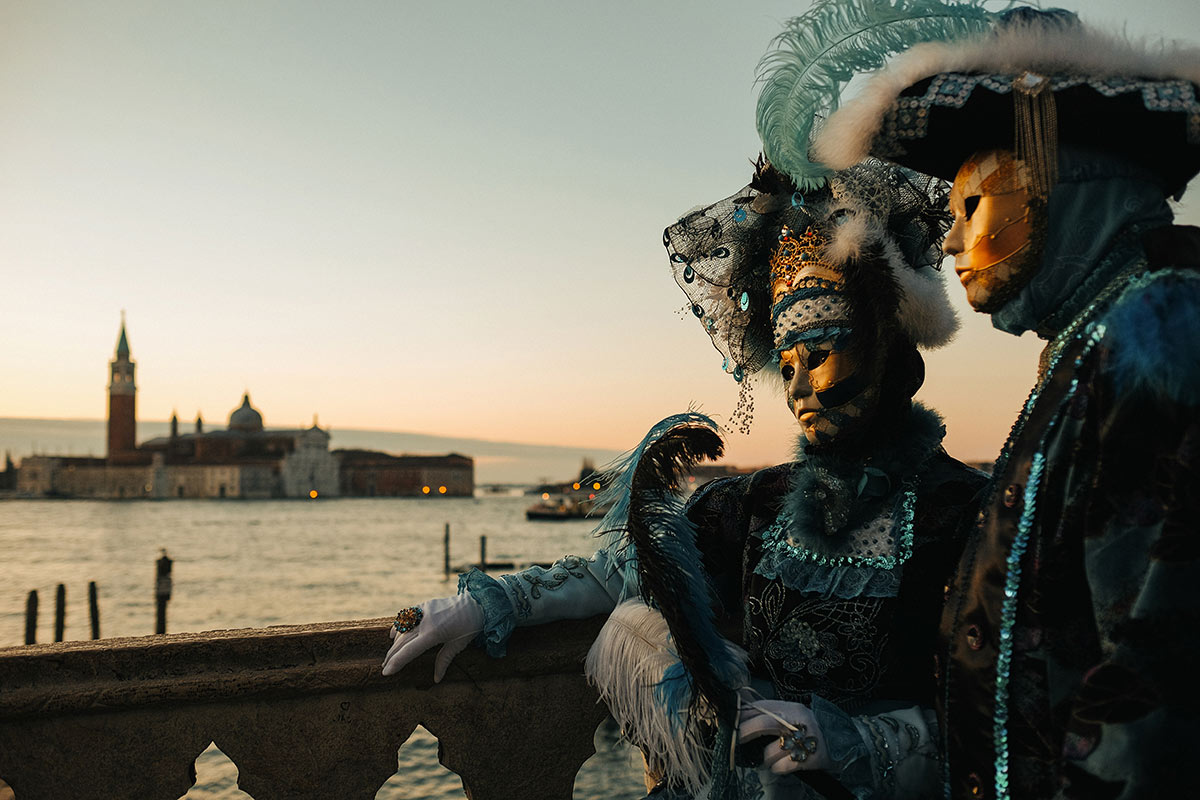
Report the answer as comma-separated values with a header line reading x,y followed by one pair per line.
x,y
255,563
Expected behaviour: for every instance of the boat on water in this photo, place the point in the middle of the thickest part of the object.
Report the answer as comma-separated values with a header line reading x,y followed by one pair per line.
x,y
553,507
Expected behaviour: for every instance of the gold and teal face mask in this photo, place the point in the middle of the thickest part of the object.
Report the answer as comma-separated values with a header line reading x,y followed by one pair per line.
x,y
994,239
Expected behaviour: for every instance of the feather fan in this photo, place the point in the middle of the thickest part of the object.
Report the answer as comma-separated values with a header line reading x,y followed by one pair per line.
x,y
699,672
670,573
617,495
819,52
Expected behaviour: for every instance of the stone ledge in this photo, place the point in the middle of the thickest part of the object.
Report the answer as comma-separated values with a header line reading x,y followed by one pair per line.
x,y
110,674
303,712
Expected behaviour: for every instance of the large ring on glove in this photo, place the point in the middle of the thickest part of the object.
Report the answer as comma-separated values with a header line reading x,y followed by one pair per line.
x,y
408,618
798,745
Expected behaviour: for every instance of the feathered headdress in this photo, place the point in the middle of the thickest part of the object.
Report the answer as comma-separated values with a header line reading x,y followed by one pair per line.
x,y
886,222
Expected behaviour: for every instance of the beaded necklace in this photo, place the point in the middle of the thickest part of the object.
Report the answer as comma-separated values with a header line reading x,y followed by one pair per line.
x,y
776,538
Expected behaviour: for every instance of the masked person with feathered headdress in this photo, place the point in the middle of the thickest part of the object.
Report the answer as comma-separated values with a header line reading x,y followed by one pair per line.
x,y
1069,665
828,570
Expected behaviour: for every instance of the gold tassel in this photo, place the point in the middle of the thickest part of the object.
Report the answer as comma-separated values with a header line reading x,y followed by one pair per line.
x,y
1036,116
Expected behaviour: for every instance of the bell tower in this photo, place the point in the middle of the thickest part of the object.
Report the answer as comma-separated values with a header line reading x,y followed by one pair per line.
x,y
122,393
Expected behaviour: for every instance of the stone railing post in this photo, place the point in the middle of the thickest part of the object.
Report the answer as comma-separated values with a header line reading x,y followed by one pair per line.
x,y
301,710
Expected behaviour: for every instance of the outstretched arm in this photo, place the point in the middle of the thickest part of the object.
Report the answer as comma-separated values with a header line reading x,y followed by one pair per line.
x,y
487,609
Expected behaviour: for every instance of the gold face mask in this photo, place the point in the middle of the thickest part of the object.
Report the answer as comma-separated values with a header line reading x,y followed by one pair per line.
x,y
998,227
827,388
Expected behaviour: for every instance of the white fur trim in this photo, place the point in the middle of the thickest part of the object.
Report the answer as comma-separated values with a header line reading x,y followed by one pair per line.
x,y
846,137
850,238
925,313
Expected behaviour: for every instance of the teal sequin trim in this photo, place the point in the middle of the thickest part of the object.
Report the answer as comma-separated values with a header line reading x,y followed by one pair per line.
x,y
1091,335
1008,617
498,617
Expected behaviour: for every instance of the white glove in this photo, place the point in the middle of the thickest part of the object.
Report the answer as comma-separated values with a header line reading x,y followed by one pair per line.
x,y
449,621
795,741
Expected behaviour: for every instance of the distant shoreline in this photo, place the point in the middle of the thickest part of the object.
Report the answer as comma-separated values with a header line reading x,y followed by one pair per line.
x,y
495,462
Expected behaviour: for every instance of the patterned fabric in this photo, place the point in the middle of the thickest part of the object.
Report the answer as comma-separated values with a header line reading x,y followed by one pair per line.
x,y
910,117
1070,632
497,613
851,651
573,587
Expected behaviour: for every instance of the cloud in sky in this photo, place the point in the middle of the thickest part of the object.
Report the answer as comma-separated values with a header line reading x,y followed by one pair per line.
x,y
440,217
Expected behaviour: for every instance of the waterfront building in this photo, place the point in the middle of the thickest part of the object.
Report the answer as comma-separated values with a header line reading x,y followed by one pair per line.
x,y
244,460
370,473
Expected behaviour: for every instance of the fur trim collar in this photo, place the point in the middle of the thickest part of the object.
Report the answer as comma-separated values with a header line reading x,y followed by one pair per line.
x,y
829,495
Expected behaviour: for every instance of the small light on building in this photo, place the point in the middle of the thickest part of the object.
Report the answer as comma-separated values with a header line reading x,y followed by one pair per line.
x,y
596,486
313,494
575,486
592,496
545,495
424,490
691,478
441,490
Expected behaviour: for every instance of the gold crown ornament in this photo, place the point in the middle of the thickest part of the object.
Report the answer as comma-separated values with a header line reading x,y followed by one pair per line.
x,y
799,261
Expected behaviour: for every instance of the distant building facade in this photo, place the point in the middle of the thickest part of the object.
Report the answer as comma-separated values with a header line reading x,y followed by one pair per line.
x,y
369,473
242,461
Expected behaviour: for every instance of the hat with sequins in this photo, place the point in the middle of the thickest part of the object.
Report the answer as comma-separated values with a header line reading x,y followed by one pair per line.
x,y
1025,80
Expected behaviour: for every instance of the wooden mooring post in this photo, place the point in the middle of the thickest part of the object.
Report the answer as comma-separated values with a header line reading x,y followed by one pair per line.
x,y
94,609
31,611
446,550
483,552
162,591
60,612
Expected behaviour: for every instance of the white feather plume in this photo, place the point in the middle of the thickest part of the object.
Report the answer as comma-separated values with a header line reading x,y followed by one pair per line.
x,y
626,663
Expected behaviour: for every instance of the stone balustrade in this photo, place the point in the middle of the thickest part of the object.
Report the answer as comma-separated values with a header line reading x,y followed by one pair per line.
x,y
303,712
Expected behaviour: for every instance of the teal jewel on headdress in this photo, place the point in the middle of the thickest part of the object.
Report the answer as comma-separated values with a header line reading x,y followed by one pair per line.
x,y
739,215
744,301
689,274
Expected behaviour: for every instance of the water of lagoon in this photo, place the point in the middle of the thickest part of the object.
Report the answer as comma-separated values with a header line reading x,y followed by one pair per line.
x,y
245,564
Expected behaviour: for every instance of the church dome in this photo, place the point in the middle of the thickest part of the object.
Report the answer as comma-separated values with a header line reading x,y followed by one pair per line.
x,y
245,417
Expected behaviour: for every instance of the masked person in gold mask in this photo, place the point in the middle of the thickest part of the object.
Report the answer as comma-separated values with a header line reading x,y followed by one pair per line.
x,y
827,572
829,569
1064,672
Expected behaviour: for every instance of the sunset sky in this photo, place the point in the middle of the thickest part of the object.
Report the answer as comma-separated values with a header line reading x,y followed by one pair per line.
x,y
438,217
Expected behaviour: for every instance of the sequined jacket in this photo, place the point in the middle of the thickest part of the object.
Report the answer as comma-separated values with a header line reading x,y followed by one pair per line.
x,y
1071,630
